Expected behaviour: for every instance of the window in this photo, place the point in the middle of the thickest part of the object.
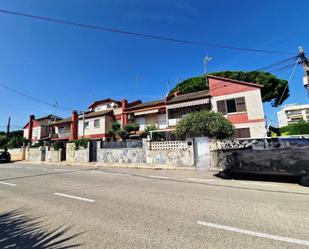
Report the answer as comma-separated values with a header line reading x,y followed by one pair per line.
x,y
231,105
97,123
242,133
86,125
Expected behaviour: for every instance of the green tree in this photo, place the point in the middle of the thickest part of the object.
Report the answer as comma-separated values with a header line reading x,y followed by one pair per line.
x,y
204,123
300,128
116,130
272,90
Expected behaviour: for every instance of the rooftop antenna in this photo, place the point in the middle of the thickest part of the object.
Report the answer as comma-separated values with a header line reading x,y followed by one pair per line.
x,y
207,59
168,87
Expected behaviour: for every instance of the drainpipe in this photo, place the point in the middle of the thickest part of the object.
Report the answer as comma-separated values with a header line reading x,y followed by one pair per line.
x,y
31,118
74,126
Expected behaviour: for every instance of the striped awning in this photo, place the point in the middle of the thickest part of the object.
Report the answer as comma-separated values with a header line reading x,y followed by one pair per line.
x,y
146,112
188,103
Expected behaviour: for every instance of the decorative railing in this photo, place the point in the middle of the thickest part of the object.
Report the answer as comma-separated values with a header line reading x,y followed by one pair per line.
x,y
169,145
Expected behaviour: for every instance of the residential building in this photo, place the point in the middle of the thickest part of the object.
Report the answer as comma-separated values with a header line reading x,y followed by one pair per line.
x,y
180,105
148,113
293,113
93,123
240,102
38,128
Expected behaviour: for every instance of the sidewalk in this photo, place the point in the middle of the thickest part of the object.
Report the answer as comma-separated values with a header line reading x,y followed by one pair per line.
x,y
94,164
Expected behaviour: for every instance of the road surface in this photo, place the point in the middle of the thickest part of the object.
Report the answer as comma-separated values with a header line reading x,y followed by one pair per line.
x,y
140,208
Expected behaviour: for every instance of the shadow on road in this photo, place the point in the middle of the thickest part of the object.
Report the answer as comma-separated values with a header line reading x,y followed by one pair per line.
x,y
257,177
18,229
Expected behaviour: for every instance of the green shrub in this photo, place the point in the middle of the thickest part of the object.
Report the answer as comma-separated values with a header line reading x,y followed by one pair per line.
x,y
295,129
81,143
204,123
58,145
131,127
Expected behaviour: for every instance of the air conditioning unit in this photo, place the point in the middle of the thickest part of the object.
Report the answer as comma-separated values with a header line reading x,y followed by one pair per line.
x,y
130,116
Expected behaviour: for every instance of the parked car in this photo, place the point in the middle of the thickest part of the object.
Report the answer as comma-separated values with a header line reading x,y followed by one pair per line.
x,y
273,156
5,157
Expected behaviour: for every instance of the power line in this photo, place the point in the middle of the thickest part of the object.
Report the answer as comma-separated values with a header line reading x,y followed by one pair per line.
x,y
144,35
277,63
286,86
33,98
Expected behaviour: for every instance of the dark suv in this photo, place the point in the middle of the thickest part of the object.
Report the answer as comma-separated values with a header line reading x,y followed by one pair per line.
x,y
5,157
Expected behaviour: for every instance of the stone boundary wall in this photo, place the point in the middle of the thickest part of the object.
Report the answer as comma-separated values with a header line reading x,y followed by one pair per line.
x,y
121,156
181,156
35,154
72,155
17,154
53,155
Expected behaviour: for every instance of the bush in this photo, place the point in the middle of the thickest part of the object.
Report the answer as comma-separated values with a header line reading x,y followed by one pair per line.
x,y
81,143
295,129
204,123
59,145
131,127
123,134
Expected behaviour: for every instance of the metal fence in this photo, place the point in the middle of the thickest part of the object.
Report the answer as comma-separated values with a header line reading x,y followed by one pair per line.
x,y
121,144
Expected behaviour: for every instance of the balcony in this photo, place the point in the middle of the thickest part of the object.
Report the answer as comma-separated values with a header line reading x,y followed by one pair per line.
x,y
173,121
64,135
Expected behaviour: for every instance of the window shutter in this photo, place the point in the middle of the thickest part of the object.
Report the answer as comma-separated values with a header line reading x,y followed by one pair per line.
x,y
221,106
242,133
241,104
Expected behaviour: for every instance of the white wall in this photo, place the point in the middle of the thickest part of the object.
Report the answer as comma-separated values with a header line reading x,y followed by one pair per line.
x,y
256,129
253,101
105,106
91,129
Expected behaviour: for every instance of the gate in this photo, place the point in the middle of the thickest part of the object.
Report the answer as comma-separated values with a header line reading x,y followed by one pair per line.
x,y
63,154
202,153
93,150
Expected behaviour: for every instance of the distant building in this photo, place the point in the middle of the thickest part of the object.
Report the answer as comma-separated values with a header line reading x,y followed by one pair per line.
x,y
293,113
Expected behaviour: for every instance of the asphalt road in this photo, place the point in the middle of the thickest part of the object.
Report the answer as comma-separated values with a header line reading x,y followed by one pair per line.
x,y
139,208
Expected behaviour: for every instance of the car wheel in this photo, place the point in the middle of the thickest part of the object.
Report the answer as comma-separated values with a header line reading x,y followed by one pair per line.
x,y
304,180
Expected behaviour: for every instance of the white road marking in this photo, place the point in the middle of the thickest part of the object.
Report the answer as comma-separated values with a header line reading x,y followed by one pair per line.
x,y
258,184
158,177
202,180
9,184
74,197
256,234
119,174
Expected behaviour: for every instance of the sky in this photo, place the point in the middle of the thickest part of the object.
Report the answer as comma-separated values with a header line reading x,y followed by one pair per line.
x,y
73,67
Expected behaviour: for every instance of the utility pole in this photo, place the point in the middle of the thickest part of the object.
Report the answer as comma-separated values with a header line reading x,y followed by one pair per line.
x,y
8,130
207,59
304,60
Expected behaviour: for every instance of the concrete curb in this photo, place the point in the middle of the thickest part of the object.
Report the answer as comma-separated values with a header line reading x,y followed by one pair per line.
x,y
136,166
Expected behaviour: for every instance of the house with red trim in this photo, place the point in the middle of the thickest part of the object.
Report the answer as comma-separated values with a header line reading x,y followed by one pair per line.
x,y
39,128
240,102
93,123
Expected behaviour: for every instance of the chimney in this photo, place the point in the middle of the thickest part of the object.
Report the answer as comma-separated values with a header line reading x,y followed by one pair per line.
x,y
124,105
74,126
30,127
